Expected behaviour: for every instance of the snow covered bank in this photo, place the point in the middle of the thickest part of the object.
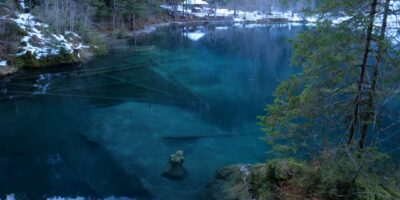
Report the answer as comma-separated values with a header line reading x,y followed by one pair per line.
x,y
41,43
274,16
35,44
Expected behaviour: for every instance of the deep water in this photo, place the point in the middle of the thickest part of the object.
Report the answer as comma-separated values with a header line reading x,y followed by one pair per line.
x,y
106,128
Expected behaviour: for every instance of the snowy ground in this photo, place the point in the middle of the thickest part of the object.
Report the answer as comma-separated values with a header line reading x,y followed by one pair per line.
x,y
41,42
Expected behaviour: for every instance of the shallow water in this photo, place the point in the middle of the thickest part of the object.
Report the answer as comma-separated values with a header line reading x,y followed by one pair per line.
x,y
107,127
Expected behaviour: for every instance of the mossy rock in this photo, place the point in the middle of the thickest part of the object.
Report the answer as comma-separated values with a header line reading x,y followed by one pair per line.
x,y
228,184
266,180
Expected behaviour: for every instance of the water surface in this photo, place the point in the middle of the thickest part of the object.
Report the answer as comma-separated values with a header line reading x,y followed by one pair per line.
x,y
106,127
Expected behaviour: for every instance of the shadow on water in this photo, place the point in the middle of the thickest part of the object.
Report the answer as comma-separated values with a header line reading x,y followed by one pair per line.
x,y
50,159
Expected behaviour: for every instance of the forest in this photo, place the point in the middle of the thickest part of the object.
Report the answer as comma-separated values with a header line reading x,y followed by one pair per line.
x,y
200,99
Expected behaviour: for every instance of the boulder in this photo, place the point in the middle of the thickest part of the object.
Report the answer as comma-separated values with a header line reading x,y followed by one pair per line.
x,y
174,169
229,183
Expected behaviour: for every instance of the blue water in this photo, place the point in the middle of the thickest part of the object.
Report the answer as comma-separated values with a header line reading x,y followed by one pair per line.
x,y
106,128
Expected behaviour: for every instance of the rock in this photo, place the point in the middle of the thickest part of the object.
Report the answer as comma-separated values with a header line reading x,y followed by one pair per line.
x,y
174,169
229,183
6,70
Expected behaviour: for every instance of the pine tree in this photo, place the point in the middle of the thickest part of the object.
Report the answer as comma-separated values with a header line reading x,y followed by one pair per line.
x,y
338,94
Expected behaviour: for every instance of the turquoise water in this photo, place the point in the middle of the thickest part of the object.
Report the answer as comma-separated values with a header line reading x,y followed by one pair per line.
x,y
106,128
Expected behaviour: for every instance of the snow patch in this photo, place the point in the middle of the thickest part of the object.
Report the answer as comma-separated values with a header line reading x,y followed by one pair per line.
x,y
22,4
72,33
196,2
3,63
245,170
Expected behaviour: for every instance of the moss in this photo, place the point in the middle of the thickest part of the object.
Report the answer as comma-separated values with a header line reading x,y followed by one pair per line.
x,y
29,60
288,179
259,184
283,170
265,181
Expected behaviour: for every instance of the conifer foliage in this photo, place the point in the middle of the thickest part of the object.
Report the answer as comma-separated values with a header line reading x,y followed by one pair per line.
x,y
350,67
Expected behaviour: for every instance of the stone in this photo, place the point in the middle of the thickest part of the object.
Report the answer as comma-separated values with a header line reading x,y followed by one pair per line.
x,y
174,169
229,183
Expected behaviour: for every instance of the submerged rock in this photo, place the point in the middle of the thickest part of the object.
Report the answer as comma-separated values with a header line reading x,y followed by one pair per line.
x,y
174,169
5,69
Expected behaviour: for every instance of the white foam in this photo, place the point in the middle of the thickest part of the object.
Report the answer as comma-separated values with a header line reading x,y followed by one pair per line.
x,y
10,197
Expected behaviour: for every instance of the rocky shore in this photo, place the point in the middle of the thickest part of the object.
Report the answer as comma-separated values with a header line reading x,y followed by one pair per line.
x,y
229,183
288,179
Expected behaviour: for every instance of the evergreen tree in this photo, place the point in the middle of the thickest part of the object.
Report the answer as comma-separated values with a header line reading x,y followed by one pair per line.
x,y
348,71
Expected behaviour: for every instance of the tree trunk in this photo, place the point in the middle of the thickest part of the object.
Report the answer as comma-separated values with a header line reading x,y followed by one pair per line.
x,y
113,17
363,68
371,104
132,22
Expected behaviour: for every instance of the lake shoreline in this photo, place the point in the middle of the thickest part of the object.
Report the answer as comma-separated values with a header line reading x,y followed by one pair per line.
x,y
148,28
